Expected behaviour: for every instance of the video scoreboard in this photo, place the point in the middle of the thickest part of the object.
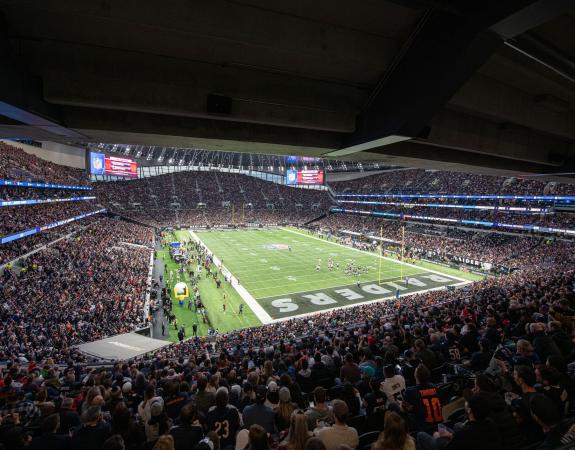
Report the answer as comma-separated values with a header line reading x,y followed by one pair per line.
x,y
102,164
305,177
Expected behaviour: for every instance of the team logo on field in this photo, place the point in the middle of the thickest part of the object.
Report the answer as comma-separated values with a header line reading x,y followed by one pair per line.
x,y
276,246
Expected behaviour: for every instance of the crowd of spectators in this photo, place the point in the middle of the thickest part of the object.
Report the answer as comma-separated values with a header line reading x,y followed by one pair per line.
x,y
15,219
8,193
20,247
17,165
424,240
188,190
218,217
390,366
211,199
551,218
498,348
408,181
85,287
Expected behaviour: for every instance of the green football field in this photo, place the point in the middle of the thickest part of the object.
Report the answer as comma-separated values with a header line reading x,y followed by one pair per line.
x,y
276,276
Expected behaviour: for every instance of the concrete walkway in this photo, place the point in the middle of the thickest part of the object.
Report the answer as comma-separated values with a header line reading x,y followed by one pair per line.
x,y
159,317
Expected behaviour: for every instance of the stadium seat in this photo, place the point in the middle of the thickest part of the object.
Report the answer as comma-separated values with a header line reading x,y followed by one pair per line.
x,y
375,421
357,422
366,439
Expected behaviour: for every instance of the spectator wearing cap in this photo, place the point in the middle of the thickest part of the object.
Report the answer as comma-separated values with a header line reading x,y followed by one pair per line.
x,y
558,433
469,342
130,397
284,409
339,433
93,432
259,413
235,395
319,411
145,411
272,396
159,423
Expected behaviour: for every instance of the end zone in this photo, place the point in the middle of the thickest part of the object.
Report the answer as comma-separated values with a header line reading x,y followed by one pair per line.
x,y
300,304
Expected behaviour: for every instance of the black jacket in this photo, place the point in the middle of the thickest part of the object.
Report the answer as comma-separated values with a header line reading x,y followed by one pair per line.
x,y
50,441
478,435
502,417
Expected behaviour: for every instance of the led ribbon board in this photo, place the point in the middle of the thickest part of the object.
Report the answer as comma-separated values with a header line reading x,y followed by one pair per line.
x,y
536,198
42,185
438,205
22,234
45,200
536,228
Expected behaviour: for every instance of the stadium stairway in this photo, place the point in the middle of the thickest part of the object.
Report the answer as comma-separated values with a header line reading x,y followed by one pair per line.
x,y
515,255
315,219
128,219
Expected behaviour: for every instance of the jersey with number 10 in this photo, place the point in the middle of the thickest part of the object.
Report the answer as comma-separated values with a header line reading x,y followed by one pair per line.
x,y
426,404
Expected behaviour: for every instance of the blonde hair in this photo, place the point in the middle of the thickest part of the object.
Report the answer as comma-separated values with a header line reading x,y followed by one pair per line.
x,y
164,442
394,434
298,433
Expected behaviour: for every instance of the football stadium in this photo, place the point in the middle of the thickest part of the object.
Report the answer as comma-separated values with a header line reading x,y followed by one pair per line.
x,y
268,225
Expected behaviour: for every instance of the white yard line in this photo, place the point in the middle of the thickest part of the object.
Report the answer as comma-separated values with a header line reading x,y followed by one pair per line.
x,y
260,313
374,255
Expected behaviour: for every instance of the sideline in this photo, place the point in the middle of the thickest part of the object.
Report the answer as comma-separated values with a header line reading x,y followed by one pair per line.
x,y
258,310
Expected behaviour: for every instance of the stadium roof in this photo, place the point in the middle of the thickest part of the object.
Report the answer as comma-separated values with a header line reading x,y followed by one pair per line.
x,y
428,83
122,346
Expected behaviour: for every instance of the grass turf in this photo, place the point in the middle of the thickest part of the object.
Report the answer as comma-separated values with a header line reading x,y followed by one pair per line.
x,y
265,266
212,297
